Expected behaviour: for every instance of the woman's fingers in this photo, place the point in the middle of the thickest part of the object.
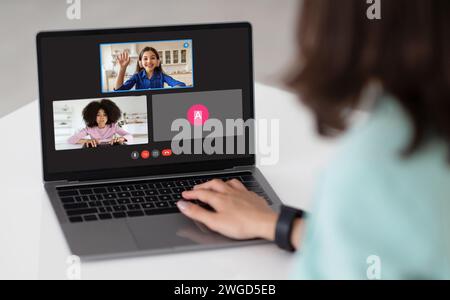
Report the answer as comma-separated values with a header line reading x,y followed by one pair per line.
x,y
214,185
207,196
234,183
197,213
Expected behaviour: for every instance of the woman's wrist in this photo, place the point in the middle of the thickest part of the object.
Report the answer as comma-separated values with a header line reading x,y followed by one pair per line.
x,y
297,232
267,226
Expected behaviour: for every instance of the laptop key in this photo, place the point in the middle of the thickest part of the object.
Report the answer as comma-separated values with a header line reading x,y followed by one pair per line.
x,y
100,190
176,196
119,215
67,200
151,192
76,219
109,202
164,198
135,213
140,187
114,189
86,192
127,188
182,183
96,204
170,210
151,198
68,193
110,196
120,208
138,200
148,205
82,198
105,216
177,190
124,201
80,212
75,206
245,178
173,203
133,206
168,184
90,218
162,204
165,191
137,193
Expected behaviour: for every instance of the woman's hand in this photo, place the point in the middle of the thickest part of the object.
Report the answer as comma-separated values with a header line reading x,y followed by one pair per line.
x,y
90,143
117,140
239,213
124,60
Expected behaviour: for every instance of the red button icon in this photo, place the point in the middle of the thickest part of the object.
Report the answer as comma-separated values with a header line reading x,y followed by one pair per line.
x,y
166,152
145,154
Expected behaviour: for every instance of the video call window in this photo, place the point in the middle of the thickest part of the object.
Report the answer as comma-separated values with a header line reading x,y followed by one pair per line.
x,y
110,122
146,66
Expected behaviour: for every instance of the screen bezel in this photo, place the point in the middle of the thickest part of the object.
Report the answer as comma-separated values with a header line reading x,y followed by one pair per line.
x,y
218,164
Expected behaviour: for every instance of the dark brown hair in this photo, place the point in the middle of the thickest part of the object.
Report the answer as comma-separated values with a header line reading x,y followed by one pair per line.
x,y
141,54
407,51
91,110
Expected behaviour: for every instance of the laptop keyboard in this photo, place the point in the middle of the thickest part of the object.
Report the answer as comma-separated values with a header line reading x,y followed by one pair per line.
x,y
98,202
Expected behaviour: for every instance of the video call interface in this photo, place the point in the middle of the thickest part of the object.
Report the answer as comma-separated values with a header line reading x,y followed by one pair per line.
x,y
110,100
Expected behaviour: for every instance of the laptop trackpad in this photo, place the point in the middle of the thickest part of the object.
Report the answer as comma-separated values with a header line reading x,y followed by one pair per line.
x,y
171,231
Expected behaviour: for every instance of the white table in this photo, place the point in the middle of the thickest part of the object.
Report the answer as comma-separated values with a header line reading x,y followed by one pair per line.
x,y
32,245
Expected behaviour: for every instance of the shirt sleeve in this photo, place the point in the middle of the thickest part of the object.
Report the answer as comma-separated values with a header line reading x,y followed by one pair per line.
x,y
122,132
129,84
78,136
172,82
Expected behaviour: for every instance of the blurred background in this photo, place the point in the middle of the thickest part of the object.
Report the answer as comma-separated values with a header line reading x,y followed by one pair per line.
x,y
273,24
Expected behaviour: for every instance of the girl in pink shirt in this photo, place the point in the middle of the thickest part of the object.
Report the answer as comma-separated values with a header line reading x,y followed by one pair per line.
x,y
101,126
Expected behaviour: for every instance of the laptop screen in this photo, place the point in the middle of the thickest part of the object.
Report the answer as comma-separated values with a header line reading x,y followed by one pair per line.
x,y
142,98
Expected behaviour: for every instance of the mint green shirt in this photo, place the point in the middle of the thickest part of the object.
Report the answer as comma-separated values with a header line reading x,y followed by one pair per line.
x,y
376,214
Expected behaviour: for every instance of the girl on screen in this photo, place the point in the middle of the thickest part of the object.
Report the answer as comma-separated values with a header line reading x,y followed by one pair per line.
x,y
149,73
101,126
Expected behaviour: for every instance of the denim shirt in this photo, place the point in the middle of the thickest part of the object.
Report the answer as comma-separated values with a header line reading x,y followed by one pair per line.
x,y
142,82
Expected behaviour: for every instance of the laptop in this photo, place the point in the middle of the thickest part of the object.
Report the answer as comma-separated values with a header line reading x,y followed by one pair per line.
x,y
130,118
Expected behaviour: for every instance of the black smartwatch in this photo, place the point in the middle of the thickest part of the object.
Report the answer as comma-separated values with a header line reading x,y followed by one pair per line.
x,y
284,227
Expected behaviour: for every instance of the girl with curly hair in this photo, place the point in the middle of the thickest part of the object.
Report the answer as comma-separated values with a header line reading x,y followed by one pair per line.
x,y
101,119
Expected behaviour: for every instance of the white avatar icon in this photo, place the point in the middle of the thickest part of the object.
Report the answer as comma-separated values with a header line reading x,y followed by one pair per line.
x,y
198,117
